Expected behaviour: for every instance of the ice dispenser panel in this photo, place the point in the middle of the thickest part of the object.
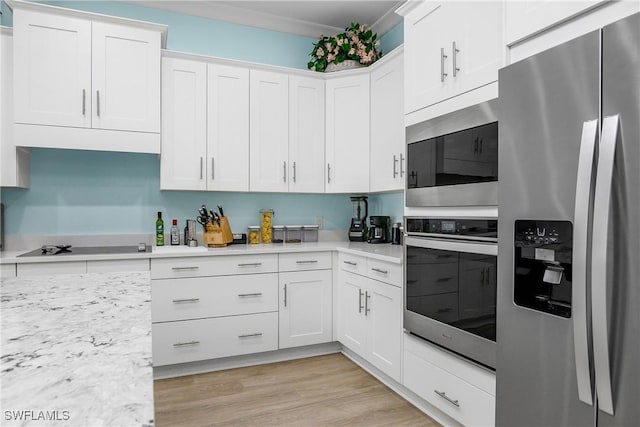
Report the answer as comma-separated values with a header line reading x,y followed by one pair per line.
x,y
542,270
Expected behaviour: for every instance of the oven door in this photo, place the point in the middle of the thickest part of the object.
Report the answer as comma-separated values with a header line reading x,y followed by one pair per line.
x,y
450,295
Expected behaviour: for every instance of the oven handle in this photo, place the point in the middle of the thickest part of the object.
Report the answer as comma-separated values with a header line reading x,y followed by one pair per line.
x,y
455,246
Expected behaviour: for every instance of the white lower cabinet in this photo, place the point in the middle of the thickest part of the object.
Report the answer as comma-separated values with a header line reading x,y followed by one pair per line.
x,y
464,391
200,339
8,270
371,317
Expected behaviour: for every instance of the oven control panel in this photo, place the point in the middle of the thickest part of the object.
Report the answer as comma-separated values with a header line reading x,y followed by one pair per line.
x,y
452,227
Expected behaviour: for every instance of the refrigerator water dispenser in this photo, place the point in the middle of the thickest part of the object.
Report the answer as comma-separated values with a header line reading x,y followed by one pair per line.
x,y
542,270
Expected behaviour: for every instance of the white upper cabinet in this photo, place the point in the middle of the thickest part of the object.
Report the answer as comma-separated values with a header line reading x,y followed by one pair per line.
x,y
451,48
228,128
306,134
52,69
15,162
387,126
85,81
269,131
125,78
184,125
347,137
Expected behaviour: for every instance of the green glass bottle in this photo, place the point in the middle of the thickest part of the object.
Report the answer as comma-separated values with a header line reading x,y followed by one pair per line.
x,y
159,230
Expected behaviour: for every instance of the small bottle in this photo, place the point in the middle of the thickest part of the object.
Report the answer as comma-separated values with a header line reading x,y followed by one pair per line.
x,y
175,233
186,234
159,230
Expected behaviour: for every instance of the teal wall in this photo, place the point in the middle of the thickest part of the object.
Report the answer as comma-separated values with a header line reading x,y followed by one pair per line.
x,y
86,192
392,38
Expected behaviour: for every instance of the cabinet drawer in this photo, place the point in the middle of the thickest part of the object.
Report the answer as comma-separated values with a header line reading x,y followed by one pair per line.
x,y
305,261
462,401
385,271
191,340
47,268
170,268
353,263
199,297
107,266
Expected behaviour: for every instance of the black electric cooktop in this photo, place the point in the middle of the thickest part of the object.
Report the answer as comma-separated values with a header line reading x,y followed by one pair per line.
x,y
62,250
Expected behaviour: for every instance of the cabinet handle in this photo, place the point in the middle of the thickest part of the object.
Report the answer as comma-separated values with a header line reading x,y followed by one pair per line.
x,y
475,146
443,279
377,270
254,335
443,395
285,294
284,171
401,165
186,300
98,103
442,58
201,166
182,344
213,175
328,173
395,160
350,263
455,66
311,261
366,302
481,139
250,264
256,294
360,307
444,310
184,268
294,172
84,102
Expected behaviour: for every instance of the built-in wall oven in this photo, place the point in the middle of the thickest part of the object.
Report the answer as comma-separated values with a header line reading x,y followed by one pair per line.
x,y
450,284
452,160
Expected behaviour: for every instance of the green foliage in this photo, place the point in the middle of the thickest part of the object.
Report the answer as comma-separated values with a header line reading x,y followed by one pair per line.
x,y
357,42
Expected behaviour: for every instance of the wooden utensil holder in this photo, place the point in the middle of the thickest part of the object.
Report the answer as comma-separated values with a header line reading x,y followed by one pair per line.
x,y
213,236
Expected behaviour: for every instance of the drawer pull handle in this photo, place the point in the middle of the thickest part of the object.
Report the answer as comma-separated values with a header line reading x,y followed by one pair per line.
x,y
311,261
350,263
377,270
443,395
185,268
444,279
444,310
180,301
182,344
257,334
250,264
257,294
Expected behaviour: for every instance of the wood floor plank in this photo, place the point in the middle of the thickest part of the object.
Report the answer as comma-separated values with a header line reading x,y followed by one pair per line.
x,y
327,390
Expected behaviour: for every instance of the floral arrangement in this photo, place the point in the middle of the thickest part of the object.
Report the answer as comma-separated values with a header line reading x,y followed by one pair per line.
x,y
357,43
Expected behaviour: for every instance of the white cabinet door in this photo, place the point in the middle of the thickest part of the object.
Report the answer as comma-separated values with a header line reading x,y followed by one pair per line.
x,y
126,78
347,138
52,70
184,126
227,128
269,131
306,134
352,321
305,308
427,30
387,127
384,312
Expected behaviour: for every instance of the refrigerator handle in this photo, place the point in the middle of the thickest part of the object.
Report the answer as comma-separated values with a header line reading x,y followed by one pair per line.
x,y
580,256
601,210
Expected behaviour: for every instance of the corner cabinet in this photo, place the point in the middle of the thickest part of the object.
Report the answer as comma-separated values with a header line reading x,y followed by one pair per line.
x,y
86,81
387,168
451,49
347,137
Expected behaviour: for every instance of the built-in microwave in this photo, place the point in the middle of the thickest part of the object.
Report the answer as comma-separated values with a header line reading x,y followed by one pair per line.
x,y
452,160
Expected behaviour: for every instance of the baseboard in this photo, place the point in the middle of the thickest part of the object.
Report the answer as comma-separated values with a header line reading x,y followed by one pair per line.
x,y
204,366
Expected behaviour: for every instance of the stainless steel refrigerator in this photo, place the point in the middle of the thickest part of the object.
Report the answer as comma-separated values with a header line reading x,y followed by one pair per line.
x,y
568,308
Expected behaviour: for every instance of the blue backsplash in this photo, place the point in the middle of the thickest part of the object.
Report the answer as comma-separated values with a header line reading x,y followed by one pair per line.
x,y
88,192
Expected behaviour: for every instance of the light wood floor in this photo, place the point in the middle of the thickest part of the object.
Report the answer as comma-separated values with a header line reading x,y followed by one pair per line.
x,y
326,390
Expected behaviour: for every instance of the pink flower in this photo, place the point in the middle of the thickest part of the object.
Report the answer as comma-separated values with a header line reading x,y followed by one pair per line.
x,y
319,53
352,51
340,42
328,46
331,57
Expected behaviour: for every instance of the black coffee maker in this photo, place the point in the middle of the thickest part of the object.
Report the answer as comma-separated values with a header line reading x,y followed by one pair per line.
x,y
379,229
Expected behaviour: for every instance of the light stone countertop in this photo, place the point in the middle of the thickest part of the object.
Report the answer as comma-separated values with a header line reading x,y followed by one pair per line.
x,y
383,252
77,348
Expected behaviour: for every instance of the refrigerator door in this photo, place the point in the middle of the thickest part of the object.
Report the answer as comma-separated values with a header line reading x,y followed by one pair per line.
x,y
544,104
621,97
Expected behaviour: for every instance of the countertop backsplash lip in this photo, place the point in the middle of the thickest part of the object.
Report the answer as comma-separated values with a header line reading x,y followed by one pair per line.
x,y
383,252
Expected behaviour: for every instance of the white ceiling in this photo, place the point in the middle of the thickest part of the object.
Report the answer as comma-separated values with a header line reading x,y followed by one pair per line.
x,y
304,17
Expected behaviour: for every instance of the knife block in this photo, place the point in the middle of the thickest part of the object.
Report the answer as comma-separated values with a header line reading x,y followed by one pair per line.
x,y
226,230
213,236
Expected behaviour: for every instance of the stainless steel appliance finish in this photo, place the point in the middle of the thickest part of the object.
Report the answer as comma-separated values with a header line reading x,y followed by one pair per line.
x,y
570,151
450,284
460,194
